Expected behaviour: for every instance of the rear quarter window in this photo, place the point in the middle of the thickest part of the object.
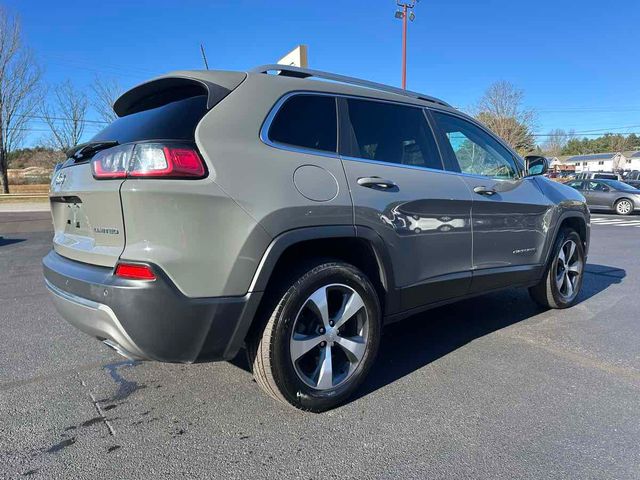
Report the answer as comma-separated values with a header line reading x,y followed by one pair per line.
x,y
306,121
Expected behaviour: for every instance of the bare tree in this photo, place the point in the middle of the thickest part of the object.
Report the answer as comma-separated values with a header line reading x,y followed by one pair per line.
x,y
66,116
501,109
619,143
105,93
556,140
19,95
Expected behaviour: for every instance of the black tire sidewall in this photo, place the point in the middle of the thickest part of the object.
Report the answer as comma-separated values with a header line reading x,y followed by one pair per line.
x,y
557,297
285,376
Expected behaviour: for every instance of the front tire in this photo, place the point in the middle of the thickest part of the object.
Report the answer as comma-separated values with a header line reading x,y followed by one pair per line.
x,y
320,339
562,281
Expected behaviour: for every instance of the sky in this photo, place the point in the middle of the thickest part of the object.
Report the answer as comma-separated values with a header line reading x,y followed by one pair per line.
x,y
576,61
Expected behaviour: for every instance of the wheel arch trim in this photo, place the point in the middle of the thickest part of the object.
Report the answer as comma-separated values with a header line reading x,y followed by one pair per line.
x,y
284,241
561,219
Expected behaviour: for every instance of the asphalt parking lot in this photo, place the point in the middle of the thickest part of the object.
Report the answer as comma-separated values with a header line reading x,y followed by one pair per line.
x,y
492,387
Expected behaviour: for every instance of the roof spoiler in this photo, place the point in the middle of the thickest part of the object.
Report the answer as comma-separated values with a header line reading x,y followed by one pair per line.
x,y
176,86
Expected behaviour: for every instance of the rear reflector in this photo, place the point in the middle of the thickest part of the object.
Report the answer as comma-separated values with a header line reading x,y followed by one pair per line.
x,y
154,160
134,272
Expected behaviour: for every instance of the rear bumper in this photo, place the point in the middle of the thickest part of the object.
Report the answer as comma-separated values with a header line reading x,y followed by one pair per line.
x,y
148,320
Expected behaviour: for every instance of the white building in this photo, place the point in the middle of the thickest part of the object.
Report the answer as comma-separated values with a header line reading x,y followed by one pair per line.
x,y
604,162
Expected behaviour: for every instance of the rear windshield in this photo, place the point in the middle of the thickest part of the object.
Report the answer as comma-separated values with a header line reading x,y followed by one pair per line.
x,y
608,176
173,121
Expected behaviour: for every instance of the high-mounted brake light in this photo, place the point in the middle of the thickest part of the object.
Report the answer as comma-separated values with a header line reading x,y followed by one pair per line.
x,y
154,160
134,272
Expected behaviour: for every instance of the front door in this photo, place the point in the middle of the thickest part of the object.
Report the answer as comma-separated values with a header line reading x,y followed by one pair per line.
x,y
597,194
400,190
509,213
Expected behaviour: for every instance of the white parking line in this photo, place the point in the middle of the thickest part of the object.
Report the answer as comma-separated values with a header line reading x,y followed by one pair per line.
x,y
616,222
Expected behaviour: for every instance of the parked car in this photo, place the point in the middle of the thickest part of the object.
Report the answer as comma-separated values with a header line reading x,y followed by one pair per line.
x,y
633,179
597,175
561,176
609,195
296,214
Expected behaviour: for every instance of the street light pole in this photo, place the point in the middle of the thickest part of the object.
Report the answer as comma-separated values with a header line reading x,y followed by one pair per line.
x,y
404,46
404,14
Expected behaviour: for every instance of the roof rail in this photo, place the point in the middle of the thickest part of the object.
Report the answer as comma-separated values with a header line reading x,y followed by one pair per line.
x,y
297,72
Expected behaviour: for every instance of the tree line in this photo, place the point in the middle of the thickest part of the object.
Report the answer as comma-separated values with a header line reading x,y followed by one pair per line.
x,y
24,98
563,143
502,109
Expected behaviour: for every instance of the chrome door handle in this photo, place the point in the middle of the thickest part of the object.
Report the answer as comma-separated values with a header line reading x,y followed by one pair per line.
x,y
482,190
377,183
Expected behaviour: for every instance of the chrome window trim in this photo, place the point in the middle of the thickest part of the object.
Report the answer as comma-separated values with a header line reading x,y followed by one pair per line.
x,y
473,121
266,125
391,164
264,135
427,169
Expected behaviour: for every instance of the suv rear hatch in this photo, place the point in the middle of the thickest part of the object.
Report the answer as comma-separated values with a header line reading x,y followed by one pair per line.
x,y
87,211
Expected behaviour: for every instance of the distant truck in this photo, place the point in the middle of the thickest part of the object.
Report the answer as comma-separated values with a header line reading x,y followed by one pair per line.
x,y
633,178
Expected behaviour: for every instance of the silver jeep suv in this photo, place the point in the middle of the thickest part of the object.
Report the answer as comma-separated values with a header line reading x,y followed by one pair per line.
x,y
295,214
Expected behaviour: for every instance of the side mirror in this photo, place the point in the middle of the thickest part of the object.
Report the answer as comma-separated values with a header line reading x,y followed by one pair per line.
x,y
605,188
535,165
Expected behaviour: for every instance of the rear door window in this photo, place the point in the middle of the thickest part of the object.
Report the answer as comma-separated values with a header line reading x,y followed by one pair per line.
x,y
306,121
390,133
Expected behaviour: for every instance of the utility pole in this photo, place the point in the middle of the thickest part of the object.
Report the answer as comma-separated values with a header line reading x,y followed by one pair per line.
x,y
403,14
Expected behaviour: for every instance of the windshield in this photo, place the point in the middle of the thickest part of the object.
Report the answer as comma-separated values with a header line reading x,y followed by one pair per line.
x,y
620,185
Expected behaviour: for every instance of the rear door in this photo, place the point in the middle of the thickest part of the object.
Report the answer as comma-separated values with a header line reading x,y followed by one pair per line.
x,y
401,191
509,211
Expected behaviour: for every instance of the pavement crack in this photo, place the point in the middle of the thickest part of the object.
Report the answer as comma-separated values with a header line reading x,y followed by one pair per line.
x,y
101,414
50,376
631,375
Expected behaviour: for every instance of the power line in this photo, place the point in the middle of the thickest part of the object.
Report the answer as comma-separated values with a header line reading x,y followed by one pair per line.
x,y
600,131
608,128
42,117
589,109
594,134
101,68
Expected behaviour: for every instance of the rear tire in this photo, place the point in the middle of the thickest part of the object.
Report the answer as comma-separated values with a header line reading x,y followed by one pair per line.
x,y
562,280
321,338
623,207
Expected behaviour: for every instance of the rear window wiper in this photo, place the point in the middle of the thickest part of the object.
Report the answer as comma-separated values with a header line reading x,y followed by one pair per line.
x,y
83,150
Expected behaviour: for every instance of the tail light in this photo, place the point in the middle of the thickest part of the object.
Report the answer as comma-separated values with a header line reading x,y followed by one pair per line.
x,y
155,160
112,162
133,271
